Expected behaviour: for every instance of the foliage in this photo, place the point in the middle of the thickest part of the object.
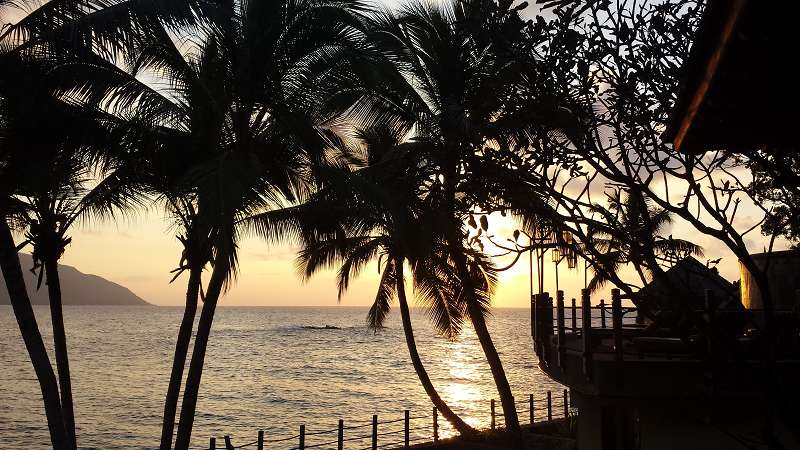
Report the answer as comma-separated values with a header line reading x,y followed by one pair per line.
x,y
377,135
776,182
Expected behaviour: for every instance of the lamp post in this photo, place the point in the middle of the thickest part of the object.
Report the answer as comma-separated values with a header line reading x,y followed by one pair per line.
x,y
564,250
561,247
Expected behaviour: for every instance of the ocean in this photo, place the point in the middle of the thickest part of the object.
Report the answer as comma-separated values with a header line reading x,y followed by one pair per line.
x,y
266,368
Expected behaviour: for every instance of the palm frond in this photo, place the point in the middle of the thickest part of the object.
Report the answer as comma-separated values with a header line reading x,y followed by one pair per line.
x,y
376,316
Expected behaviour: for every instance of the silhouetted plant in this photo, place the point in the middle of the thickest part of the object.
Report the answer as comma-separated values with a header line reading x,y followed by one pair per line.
x,y
25,139
451,70
243,116
59,38
616,74
379,212
632,234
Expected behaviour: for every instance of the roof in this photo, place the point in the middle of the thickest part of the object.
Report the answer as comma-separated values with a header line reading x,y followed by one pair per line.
x,y
691,278
739,90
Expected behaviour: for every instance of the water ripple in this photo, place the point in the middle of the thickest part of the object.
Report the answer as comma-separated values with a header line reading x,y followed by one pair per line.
x,y
263,370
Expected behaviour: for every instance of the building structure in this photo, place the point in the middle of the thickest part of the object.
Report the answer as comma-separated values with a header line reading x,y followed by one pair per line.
x,y
694,378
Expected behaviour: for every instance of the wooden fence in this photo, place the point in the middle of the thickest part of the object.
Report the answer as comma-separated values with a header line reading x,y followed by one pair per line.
x,y
544,325
557,332
393,434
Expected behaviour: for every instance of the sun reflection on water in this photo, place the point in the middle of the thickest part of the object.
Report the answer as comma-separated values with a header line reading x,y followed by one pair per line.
x,y
249,382
462,392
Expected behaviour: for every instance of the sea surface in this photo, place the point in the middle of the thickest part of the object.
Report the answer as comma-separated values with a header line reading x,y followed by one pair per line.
x,y
265,369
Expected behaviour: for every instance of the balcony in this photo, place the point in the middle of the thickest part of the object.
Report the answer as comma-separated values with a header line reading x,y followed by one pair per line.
x,y
636,384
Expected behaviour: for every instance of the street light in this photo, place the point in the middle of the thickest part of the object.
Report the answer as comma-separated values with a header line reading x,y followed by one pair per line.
x,y
555,253
572,259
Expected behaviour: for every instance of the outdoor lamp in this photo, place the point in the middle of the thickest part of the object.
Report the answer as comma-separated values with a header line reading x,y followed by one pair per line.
x,y
572,260
565,244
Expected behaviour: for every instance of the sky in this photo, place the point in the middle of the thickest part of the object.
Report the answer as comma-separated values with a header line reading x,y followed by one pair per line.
x,y
139,252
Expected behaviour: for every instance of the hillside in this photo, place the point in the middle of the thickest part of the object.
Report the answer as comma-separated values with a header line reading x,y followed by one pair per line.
x,y
77,288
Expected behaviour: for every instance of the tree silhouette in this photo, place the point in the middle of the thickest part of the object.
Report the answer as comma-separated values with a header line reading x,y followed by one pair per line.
x,y
243,116
378,212
447,70
632,233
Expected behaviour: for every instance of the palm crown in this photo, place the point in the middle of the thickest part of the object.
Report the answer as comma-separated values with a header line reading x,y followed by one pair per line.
x,y
632,233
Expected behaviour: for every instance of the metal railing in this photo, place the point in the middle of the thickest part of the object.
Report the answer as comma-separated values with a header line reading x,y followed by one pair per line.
x,y
558,329
395,433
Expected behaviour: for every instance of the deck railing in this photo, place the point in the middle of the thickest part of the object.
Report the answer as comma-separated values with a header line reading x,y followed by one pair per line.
x,y
555,336
394,433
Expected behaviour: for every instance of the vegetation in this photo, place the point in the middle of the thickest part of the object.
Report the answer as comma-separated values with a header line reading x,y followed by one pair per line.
x,y
361,134
13,152
380,211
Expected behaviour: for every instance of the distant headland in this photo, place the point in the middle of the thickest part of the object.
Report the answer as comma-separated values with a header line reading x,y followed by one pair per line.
x,y
77,288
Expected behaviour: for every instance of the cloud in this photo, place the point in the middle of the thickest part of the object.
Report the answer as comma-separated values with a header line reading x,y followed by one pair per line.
x,y
277,255
103,233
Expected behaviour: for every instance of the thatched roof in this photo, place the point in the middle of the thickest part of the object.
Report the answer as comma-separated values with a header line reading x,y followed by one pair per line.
x,y
690,278
739,91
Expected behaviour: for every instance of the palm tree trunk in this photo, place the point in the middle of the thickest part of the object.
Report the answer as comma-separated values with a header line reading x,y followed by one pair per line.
x,y
179,360
189,404
440,404
454,240
499,375
60,343
26,320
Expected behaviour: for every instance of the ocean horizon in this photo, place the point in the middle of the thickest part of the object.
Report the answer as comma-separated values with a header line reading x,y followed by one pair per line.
x,y
270,368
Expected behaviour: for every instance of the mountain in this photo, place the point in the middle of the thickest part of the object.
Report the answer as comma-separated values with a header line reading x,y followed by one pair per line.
x,y
77,288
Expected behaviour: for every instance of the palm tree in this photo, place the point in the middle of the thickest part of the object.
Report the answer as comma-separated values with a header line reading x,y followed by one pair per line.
x,y
453,71
56,185
376,211
632,233
59,33
241,125
55,194
193,136
34,124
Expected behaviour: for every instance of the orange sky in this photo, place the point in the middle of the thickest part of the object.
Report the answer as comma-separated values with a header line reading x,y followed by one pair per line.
x,y
140,252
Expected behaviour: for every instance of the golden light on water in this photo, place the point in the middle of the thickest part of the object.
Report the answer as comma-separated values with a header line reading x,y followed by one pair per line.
x,y
462,392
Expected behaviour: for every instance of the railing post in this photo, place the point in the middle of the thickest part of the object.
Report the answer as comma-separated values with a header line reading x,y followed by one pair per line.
x,y
574,316
407,428
549,406
539,323
435,425
547,326
260,441
212,444
340,438
228,444
302,445
561,333
531,410
534,317
586,319
493,414
616,318
602,313
566,404
374,432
